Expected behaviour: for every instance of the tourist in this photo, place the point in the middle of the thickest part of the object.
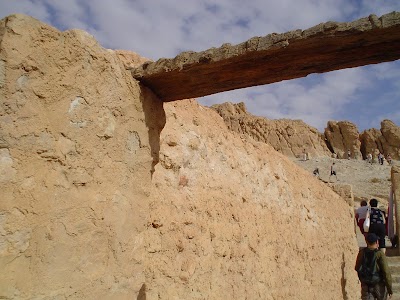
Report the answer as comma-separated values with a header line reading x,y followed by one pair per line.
x,y
377,225
373,271
305,155
389,159
361,214
348,154
333,172
380,158
316,172
369,158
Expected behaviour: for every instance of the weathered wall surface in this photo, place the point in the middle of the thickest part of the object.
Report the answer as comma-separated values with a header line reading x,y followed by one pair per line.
x,y
233,219
77,142
289,137
224,217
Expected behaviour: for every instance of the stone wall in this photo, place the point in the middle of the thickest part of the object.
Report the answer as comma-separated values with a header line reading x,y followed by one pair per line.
x,y
95,204
79,138
233,219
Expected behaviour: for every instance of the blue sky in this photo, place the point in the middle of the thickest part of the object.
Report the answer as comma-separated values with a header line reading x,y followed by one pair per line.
x,y
164,28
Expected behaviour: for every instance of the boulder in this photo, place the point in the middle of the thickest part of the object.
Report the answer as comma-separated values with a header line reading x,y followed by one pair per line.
x,y
391,134
341,137
386,140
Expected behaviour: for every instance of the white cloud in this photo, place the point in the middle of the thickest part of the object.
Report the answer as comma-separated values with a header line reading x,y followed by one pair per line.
x,y
314,100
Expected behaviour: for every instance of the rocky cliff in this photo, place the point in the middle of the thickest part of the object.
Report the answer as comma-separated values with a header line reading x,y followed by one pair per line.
x,y
385,140
290,137
294,137
98,203
343,137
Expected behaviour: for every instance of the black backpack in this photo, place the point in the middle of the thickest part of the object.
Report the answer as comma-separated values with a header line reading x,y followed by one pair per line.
x,y
368,272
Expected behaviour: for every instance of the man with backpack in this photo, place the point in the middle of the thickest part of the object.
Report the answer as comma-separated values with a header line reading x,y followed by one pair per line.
x,y
373,271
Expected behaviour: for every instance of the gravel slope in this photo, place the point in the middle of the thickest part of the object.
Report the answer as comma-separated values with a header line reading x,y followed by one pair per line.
x,y
368,180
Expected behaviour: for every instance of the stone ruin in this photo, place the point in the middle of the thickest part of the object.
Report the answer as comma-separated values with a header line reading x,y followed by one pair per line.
x,y
106,193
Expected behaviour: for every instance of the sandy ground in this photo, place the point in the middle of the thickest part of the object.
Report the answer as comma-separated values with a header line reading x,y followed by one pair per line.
x,y
368,180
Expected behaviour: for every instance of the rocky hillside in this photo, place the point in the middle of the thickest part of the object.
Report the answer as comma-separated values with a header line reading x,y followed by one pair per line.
x,y
289,137
293,137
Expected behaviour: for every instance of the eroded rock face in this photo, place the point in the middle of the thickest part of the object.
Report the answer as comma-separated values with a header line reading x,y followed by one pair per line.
x,y
343,136
391,134
233,219
78,140
371,140
290,137
386,140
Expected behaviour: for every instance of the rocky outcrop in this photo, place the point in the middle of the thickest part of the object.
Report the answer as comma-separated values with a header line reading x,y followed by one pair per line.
x,y
294,138
275,57
95,204
289,137
391,135
386,140
341,137
371,140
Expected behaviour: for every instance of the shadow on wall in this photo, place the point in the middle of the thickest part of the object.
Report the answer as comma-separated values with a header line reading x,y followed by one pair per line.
x,y
155,121
142,293
343,280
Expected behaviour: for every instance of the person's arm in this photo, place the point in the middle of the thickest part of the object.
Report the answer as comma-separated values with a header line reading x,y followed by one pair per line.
x,y
358,260
383,266
383,217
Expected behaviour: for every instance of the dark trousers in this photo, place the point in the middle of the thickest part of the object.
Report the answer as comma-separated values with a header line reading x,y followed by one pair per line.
x,y
376,292
380,231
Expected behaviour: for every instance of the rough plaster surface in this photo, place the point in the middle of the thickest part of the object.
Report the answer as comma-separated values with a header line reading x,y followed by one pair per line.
x,y
233,219
76,141
81,217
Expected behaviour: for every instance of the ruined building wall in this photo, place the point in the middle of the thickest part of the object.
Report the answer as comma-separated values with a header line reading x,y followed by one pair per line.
x,y
77,136
87,213
234,219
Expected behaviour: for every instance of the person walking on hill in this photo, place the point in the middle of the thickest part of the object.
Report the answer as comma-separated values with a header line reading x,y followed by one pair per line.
x,y
316,172
373,271
369,158
378,222
389,159
380,158
333,172
361,214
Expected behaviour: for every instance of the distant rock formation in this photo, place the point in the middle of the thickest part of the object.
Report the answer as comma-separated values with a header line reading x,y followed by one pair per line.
x,y
386,140
341,137
290,137
294,137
